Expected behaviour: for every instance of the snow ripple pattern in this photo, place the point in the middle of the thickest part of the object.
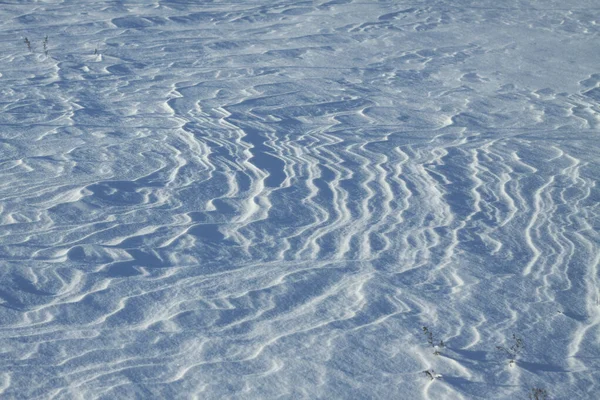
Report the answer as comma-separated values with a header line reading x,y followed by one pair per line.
x,y
269,199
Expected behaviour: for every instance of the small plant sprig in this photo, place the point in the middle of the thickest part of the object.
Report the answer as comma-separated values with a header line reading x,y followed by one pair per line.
x,y
430,373
28,43
538,394
513,351
46,45
433,342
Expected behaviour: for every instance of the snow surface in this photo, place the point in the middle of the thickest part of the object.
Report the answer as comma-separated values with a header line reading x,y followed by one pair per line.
x,y
271,199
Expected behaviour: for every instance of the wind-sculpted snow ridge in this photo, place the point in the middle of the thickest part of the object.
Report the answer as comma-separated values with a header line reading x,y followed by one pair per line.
x,y
271,199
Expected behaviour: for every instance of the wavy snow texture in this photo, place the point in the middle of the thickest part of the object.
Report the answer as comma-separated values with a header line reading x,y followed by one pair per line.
x,y
269,199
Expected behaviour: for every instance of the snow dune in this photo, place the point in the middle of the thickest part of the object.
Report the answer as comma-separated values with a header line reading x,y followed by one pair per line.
x,y
270,199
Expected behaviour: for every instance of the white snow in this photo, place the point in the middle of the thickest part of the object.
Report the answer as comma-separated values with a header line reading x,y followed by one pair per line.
x,y
270,199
